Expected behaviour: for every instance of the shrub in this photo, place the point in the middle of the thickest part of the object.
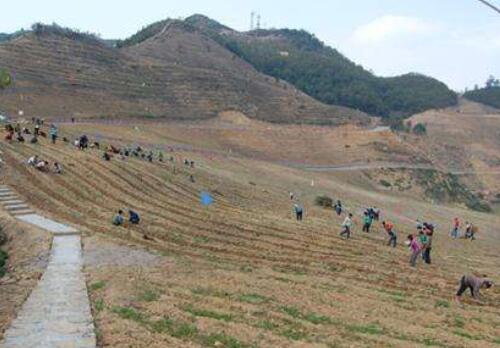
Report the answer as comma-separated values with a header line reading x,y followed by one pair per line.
x,y
3,263
385,183
420,129
324,201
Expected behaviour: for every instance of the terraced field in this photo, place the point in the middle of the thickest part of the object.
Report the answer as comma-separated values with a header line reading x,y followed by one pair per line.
x,y
242,272
55,76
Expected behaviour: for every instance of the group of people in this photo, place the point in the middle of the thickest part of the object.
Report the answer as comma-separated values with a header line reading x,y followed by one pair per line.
x,y
44,166
470,229
119,218
18,133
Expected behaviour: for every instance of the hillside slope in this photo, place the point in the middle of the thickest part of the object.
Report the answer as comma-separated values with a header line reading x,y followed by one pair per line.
x,y
489,96
242,272
322,72
179,74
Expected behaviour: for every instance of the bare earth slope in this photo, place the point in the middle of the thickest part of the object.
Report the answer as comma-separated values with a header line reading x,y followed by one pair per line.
x,y
178,74
465,139
242,272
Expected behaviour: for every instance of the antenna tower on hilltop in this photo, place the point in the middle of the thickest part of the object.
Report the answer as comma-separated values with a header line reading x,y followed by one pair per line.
x,y
252,20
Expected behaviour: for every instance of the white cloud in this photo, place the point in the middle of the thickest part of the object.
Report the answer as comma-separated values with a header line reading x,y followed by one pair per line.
x,y
391,27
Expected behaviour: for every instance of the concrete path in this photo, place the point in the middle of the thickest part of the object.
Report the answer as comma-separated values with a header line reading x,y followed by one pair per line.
x,y
57,313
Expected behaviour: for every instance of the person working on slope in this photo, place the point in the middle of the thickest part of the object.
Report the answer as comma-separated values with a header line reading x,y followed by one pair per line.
x,y
474,284
118,218
389,228
133,217
456,227
367,222
53,133
415,249
423,238
338,207
346,227
299,211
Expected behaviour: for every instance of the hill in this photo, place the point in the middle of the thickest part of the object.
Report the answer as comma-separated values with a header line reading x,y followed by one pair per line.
x,y
489,96
322,72
243,272
62,73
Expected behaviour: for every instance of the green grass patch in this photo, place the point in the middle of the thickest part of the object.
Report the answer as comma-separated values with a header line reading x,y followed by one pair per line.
x,y
496,340
467,335
99,305
294,334
97,285
129,314
179,330
442,303
201,239
370,329
254,298
3,262
318,319
313,318
164,325
291,311
185,330
222,340
430,342
459,322
209,314
149,296
267,325
209,292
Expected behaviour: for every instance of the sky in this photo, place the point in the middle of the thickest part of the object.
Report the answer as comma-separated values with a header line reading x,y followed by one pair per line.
x,y
455,41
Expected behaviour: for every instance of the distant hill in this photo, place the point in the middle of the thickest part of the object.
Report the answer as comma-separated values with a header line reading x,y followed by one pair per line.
x,y
322,72
177,73
489,96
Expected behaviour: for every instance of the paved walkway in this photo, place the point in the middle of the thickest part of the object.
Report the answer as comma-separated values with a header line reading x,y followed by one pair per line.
x,y
57,313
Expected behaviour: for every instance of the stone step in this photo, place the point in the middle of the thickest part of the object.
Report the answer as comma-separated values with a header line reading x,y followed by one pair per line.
x,y
6,193
7,198
22,212
16,206
10,202
47,224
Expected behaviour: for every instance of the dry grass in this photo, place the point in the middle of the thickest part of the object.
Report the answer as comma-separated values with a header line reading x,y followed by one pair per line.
x,y
28,250
243,273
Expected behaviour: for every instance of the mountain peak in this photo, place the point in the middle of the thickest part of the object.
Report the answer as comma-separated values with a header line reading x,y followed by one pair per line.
x,y
205,23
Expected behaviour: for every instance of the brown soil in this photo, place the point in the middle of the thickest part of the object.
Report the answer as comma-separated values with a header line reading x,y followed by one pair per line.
x,y
28,250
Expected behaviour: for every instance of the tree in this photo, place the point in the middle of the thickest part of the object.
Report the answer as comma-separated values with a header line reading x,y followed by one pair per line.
x,y
492,82
420,129
5,79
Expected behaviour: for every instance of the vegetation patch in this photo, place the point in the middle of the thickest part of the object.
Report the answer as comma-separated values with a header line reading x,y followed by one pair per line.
x,y
313,318
254,298
370,329
267,325
324,201
294,334
222,340
448,188
467,335
97,285
3,262
130,314
99,305
442,303
149,296
208,314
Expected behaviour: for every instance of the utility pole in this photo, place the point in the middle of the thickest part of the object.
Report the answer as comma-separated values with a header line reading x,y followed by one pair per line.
x,y
258,21
490,5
